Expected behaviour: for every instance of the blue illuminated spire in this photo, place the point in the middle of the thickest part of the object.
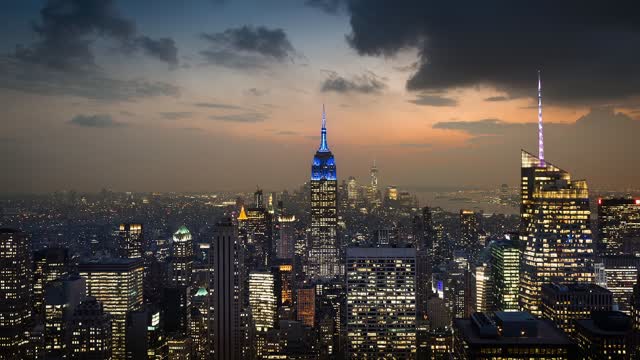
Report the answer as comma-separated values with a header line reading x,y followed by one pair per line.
x,y
324,147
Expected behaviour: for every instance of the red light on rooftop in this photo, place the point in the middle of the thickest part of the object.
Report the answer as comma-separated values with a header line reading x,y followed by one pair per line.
x,y
637,201
600,201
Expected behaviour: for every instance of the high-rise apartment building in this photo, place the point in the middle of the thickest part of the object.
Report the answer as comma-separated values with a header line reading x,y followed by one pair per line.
x,y
117,284
381,302
323,252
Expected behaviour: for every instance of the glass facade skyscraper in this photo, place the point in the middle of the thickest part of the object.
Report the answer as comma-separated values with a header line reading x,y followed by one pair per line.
x,y
555,224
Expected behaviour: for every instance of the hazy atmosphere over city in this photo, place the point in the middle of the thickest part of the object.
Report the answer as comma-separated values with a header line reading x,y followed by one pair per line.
x,y
209,95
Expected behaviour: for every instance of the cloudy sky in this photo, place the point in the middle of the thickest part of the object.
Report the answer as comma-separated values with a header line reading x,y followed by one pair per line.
x,y
206,95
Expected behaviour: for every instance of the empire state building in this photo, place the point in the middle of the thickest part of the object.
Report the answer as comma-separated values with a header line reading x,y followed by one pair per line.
x,y
323,251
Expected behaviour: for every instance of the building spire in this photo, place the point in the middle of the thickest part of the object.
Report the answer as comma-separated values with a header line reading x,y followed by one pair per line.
x,y
323,134
540,132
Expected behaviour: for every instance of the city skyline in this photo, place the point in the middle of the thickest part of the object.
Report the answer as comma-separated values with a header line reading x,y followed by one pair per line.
x,y
145,98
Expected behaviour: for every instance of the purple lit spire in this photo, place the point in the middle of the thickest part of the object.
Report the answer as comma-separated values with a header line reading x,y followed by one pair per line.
x,y
323,135
540,132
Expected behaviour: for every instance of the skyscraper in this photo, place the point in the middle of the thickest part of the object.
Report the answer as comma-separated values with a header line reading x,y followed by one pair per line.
x,y
352,190
619,226
90,331
48,265
323,252
373,193
225,291
15,300
505,273
117,284
60,300
381,303
555,223
286,236
130,241
469,232
182,259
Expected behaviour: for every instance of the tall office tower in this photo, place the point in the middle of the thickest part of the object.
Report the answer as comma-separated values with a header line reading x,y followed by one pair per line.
x,y
323,253
262,300
146,338
262,304
555,222
284,280
441,246
505,273
117,284
469,231
606,335
48,265
61,298
509,335
90,331
373,193
198,334
391,195
286,236
619,226
130,241
381,302
257,227
225,291
176,303
182,259
15,285
352,190
306,306
424,259
258,199
563,304
482,285
621,274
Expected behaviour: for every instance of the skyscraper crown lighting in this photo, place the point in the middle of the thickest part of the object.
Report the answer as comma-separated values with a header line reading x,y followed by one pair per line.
x,y
324,165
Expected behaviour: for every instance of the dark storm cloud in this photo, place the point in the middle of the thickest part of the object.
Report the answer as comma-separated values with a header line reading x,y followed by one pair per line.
x,y
164,49
248,47
67,28
96,121
368,83
218,106
328,6
61,60
588,52
177,115
241,118
497,98
434,100
37,79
